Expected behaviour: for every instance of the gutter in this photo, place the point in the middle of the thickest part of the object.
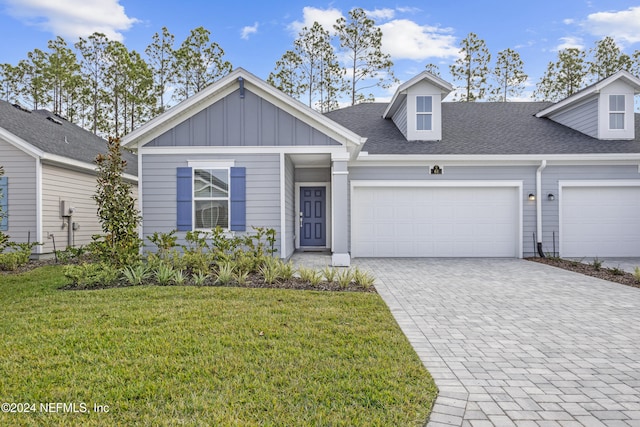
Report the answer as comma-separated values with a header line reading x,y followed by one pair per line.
x,y
542,166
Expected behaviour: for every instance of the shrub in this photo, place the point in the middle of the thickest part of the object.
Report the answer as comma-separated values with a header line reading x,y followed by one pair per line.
x,y
286,270
241,277
116,209
92,274
165,274
310,275
199,278
636,273
270,271
329,274
344,278
17,257
363,278
136,274
225,273
597,264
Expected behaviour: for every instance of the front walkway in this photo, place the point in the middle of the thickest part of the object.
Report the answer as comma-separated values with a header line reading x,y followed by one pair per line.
x,y
511,342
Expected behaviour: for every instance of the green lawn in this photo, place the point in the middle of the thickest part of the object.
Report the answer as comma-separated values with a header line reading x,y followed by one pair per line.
x,y
204,356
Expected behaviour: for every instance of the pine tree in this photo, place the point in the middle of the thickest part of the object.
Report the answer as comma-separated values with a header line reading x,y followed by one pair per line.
x,y
472,68
161,57
607,59
361,42
199,62
564,77
509,76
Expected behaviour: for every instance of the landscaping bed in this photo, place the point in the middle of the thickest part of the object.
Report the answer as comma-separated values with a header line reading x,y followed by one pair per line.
x,y
594,269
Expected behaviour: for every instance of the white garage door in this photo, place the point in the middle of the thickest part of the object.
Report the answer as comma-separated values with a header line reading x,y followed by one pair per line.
x,y
600,221
435,222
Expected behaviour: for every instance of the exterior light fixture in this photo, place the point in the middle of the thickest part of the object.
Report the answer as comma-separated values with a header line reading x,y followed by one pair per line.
x,y
532,197
551,197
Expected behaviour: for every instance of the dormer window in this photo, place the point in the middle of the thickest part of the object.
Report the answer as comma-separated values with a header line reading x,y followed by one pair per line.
x,y
424,113
616,111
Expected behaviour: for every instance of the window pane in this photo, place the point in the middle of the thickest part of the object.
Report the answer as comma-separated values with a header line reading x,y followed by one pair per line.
x,y
616,102
616,121
211,183
423,121
423,104
211,213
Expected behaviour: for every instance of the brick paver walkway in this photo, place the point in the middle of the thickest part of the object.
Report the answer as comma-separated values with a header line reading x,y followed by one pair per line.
x,y
512,342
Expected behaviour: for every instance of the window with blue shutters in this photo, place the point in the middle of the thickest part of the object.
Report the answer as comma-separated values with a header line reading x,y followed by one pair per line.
x,y
211,197
4,203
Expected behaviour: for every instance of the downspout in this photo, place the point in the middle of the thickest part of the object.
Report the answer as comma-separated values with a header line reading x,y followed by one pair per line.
x,y
542,166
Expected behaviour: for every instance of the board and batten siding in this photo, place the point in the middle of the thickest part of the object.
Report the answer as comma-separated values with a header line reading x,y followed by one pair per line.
x,y
20,170
526,174
158,187
248,121
583,118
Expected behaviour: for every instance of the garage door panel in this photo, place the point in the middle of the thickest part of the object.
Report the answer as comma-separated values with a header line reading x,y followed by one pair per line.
x,y
435,222
600,221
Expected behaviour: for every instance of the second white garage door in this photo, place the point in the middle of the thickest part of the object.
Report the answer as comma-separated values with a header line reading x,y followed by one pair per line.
x,y
435,221
600,220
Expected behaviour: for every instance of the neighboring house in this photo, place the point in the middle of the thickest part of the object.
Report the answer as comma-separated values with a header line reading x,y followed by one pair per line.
x,y
415,177
50,178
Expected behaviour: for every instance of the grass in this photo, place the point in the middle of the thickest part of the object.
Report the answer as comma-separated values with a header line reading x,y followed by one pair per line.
x,y
205,356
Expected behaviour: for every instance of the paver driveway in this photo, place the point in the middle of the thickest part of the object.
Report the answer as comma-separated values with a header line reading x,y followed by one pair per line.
x,y
513,342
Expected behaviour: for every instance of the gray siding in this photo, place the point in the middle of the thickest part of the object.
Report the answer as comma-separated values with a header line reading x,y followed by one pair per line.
x,y
20,169
526,174
78,188
400,119
290,207
313,175
234,121
583,118
158,187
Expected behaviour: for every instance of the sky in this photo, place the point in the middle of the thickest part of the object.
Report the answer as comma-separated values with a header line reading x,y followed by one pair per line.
x,y
254,34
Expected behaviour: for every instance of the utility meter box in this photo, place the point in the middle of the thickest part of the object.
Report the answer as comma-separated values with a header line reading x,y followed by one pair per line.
x,y
66,209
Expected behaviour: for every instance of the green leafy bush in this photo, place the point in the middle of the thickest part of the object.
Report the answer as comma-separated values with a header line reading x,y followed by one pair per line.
x,y
92,274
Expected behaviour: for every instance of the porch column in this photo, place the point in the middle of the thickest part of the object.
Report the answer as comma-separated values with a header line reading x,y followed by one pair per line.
x,y
340,211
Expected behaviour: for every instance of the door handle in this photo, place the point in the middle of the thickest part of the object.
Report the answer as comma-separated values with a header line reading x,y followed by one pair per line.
x,y
301,218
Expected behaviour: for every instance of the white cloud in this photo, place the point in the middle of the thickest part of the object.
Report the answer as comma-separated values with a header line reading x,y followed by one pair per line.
x,y
621,25
73,18
324,17
380,14
248,30
570,42
568,21
405,39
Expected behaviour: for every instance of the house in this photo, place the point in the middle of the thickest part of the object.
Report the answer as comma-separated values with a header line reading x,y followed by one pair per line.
x,y
414,177
50,178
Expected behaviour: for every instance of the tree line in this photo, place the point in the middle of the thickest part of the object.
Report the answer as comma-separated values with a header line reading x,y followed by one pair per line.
x,y
110,90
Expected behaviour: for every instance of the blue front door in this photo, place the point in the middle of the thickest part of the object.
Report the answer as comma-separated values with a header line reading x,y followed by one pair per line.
x,y
313,222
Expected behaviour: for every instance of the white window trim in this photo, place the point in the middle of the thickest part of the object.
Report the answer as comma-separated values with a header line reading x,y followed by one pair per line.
x,y
195,199
424,113
621,112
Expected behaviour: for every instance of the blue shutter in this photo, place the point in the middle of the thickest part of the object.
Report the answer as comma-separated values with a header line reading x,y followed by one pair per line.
x,y
184,191
4,203
238,197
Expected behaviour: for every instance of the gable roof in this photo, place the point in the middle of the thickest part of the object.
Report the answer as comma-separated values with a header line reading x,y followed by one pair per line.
x,y
49,137
569,101
216,91
479,128
400,94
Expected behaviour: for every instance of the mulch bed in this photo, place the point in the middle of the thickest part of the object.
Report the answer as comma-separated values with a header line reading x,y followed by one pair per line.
x,y
253,281
611,274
